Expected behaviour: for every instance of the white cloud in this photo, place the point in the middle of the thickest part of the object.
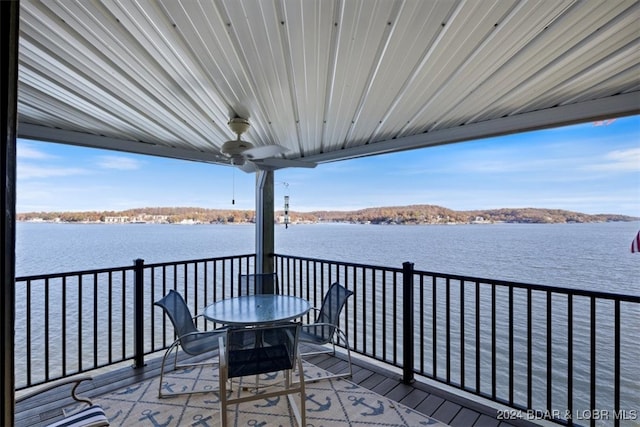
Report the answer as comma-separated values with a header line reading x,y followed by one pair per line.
x,y
25,151
30,171
620,160
119,163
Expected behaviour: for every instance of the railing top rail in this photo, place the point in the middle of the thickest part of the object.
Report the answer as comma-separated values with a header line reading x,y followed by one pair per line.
x,y
190,261
352,264
535,287
123,268
73,273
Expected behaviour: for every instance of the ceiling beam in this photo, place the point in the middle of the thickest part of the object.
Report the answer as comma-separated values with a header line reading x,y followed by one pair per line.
x,y
606,108
47,134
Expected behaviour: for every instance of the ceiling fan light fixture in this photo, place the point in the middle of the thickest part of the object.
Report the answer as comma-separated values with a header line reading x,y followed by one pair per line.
x,y
237,160
235,147
238,125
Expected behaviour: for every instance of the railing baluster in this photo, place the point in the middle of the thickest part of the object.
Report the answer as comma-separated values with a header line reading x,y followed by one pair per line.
x,y
95,319
384,317
110,314
47,362
355,312
570,358
529,349
462,340
448,330
549,355
395,316
28,333
374,313
64,325
493,342
364,312
511,368
434,326
79,323
123,319
478,367
616,363
592,334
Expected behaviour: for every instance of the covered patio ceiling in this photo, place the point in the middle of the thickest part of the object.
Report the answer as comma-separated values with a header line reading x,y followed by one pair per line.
x,y
327,79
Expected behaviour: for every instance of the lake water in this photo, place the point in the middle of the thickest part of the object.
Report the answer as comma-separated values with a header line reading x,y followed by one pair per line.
x,y
587,256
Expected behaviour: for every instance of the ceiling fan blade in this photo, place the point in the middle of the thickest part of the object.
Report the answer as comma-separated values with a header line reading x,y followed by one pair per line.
x,y
287,163
264,151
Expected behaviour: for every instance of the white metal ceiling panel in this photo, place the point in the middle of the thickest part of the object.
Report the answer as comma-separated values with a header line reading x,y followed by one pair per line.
x,y
327,79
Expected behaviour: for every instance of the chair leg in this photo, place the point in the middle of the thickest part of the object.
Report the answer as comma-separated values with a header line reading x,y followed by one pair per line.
x,y
300,413
162,365
346,344
223,399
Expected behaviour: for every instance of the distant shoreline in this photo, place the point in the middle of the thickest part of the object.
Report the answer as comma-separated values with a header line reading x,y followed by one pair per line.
x,y
391,215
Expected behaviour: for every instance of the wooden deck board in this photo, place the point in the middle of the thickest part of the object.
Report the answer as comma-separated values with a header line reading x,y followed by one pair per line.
x,y
414,398
430,405
465,418
486,421
447,411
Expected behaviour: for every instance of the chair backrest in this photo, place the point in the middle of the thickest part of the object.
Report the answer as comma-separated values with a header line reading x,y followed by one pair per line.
x,y
332,304
176,308
256,284
262,349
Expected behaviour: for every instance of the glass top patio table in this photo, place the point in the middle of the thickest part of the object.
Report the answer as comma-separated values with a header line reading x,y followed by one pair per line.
x,y
251,310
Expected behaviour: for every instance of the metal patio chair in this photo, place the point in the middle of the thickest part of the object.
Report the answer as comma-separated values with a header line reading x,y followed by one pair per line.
x,y
325,329
245,352
192,341
261,283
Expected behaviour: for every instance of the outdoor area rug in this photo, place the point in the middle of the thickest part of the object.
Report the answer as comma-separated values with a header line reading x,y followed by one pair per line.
x,y
330,402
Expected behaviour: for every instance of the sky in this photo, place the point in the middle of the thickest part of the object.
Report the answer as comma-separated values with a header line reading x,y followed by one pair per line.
x,y
591,168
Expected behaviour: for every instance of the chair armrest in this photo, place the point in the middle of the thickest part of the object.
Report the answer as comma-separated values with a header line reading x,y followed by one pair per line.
x,y
55,384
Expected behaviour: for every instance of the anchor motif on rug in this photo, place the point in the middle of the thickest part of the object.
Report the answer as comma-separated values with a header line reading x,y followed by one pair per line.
x,y
360,401
185,370
128,390
201,421
270,402
167,386
320,406
151,417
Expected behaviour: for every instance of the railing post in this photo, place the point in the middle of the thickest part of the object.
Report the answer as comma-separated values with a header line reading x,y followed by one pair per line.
x,y
407,323
138,314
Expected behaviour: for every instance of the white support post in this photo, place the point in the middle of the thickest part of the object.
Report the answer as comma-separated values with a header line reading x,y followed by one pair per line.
x,y
265,247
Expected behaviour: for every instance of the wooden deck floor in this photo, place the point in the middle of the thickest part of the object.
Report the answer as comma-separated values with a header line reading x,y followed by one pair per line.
x,y
431,400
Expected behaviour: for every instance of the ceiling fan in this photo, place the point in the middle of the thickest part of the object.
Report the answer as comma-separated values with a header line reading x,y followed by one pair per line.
x,y
250,158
